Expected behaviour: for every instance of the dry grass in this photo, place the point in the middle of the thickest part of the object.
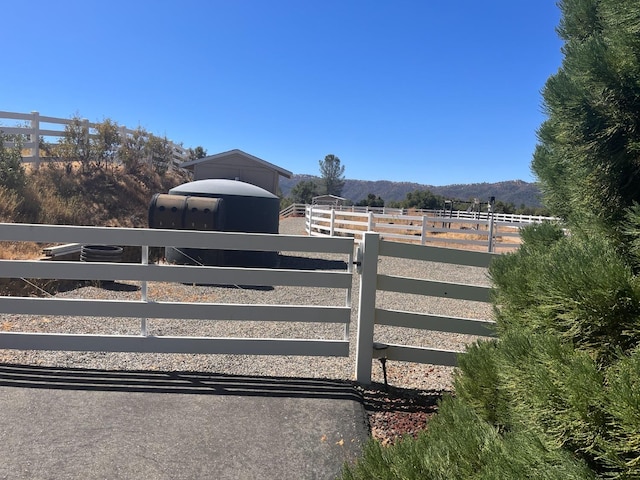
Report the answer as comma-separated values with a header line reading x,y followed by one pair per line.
x,y
61,194
20,250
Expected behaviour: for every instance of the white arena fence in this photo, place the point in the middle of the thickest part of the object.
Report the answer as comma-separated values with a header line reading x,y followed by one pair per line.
x,y
482,231
365,257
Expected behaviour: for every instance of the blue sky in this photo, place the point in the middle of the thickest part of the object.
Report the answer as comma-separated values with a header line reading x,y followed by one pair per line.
x,y
434,92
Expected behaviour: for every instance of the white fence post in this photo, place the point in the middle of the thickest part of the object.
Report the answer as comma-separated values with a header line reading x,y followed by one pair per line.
x,y
370,223
123,136
491,214
423,234
333,222
491,227
367,307
35,137
143,289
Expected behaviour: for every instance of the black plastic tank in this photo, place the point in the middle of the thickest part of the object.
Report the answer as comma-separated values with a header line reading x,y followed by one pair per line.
x,y
220,205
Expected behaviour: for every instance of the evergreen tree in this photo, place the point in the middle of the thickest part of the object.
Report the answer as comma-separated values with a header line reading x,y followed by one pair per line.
x,y
588,157
332,175
304,191
422,199
558,394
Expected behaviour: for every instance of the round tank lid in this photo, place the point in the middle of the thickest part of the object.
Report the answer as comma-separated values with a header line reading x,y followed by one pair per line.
x,y
221,186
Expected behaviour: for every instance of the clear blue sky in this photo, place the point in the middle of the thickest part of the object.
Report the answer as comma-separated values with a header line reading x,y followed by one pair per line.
x,y
435,92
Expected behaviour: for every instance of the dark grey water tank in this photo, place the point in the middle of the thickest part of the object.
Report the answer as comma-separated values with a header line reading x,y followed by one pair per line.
x,y
239,207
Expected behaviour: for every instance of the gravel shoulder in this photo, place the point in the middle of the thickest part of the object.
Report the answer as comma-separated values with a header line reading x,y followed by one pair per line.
x,y
414,387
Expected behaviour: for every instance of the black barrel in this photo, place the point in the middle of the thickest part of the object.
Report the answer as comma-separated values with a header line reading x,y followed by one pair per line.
x,y
183,212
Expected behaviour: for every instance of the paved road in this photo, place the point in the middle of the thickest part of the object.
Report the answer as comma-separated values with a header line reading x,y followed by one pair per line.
x,y
88,424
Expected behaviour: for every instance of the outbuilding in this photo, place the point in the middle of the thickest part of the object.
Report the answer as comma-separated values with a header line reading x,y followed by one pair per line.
x,y
331,200
238,165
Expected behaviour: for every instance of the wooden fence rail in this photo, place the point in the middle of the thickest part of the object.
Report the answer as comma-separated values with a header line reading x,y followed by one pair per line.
x,y
453,214
369,315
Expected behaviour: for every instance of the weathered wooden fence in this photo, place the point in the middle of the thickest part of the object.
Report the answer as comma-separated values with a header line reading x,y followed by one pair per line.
x,y
366,257
38,126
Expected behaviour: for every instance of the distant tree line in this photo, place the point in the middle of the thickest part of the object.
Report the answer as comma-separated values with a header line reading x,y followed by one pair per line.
x,y
331,182
305,190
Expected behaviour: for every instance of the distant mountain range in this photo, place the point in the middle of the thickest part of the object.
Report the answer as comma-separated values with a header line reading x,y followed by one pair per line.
x,y
517,192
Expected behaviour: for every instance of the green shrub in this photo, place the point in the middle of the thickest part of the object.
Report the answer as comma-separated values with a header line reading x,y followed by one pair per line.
x,y
12,172
582,289
555,390
460,445
9,204
477,382
620,449
541,235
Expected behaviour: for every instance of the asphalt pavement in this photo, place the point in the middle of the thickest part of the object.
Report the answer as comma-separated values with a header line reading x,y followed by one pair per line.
x,y
93,424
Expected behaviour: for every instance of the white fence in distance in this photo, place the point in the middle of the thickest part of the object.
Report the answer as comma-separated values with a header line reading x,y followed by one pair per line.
x,y
38,126
296,209
366,256
489,234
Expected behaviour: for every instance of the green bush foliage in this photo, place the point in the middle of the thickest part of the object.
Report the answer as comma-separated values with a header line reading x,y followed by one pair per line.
x,y
557,395
12,172
461,445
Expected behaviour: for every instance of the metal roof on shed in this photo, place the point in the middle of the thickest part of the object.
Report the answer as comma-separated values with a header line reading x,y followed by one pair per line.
x,y
221,156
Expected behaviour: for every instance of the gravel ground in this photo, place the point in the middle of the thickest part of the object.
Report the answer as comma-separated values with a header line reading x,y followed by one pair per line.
x,y
403,409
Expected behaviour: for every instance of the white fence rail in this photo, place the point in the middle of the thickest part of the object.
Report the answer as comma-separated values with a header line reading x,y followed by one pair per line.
x,y
370,249
369,315
293,210
440,213
147,308
488,234
38,126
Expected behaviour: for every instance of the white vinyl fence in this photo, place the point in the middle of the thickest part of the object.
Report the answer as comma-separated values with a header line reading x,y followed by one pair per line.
x,y
371,282
483,233
148,308
36,126
454,214
365,257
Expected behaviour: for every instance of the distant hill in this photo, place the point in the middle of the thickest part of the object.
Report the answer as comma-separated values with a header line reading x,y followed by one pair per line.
x,y
517,192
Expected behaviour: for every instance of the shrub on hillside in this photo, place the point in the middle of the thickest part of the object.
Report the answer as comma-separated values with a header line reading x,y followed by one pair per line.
x,y
12,172
9,204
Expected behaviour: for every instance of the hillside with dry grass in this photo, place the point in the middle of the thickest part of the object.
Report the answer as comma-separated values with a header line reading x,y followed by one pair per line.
x,y
65,194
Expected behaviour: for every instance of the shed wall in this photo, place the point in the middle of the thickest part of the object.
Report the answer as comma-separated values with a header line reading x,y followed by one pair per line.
x,y
237,166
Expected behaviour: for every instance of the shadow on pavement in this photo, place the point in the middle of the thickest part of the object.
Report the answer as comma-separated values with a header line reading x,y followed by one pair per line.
x,y
29,376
